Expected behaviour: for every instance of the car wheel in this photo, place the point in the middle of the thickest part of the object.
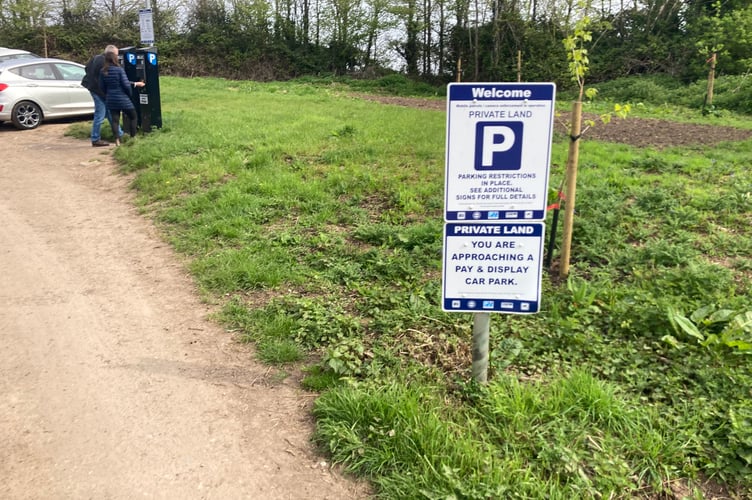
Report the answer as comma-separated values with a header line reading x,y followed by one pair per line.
x,y
26,115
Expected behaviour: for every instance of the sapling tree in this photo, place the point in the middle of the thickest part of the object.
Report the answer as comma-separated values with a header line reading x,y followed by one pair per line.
x,y
577,56
709,46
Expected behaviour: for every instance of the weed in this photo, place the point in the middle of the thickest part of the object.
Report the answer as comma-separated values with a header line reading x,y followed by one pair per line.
x,y
345,357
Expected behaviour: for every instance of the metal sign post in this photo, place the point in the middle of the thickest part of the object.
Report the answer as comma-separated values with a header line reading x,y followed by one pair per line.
x,y
481,328
498,153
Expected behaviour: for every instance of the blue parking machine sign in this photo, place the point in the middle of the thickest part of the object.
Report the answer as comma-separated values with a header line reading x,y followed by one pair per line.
x,y
492,267
498,150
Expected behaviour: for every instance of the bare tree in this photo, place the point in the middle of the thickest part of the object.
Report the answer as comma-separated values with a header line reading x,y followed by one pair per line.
x,y
380,19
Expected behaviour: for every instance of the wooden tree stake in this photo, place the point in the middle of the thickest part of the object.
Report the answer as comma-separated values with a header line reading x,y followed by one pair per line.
x,y
711,79
571,186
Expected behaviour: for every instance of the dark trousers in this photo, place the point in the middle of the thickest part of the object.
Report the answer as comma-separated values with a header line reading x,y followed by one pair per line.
x,y
115,123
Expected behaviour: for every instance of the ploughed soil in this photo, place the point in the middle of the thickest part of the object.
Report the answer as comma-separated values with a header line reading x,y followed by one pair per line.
x,y
641,132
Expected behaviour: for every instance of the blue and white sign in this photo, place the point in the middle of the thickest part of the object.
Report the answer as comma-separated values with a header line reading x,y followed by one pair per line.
x,y
492,267
498,150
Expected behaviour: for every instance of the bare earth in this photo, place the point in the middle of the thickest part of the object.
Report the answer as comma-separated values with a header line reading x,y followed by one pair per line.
x,y
647,133
113,383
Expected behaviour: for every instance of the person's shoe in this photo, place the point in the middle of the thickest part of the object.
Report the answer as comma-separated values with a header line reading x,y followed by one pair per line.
x,y
117,142
99,143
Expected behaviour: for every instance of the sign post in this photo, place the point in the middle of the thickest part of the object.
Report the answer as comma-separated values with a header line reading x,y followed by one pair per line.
x,y
481,328
498,152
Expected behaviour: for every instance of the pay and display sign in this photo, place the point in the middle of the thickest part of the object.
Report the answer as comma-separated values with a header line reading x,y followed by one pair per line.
x,y
492,267
498,150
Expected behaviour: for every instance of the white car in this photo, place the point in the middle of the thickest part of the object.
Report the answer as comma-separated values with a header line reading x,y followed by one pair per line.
x,y
32,90
7,54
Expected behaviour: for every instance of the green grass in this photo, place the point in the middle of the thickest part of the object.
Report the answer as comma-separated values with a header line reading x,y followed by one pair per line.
x,y
569,437
316,219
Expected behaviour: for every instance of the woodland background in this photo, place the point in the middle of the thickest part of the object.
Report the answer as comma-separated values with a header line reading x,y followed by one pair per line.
x,y
436,41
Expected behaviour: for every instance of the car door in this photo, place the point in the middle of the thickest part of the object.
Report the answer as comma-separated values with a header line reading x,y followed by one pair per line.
x,y
79,98
44,87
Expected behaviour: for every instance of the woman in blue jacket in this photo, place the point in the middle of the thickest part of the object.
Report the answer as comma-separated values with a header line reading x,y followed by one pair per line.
x,y
117,94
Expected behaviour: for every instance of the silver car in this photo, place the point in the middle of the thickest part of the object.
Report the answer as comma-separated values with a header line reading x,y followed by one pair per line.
x,y
7,54
32,90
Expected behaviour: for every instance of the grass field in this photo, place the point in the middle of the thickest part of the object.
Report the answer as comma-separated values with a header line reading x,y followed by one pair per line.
x,y
315,219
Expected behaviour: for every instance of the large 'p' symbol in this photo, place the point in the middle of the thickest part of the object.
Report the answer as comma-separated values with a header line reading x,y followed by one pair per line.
x,y
492,144
498,145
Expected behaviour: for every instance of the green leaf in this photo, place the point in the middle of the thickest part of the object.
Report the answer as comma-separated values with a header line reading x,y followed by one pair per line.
x,y
740,345
689,327
702,313
743,322
682,323
711,340
671,340
720,316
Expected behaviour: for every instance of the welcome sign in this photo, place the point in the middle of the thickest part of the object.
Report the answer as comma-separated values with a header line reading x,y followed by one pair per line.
x,y
498,151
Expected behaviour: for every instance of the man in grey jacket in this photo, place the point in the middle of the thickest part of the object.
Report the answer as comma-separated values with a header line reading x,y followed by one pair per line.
x,y
91,82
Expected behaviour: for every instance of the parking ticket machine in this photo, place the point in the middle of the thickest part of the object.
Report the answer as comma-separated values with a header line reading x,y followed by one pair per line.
x,y
142,65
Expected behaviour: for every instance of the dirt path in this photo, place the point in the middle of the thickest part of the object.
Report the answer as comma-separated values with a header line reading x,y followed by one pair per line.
x,y
113,384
